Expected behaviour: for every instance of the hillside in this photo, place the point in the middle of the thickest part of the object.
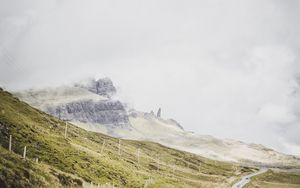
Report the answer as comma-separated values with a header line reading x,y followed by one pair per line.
x,y
16,172
149,127
84,103
94,157
85,106
276,179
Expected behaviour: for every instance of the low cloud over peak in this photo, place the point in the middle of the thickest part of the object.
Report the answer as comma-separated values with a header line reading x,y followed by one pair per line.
x,y
229,69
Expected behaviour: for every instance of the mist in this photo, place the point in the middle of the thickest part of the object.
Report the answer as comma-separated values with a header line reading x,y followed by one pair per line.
x,y
224,68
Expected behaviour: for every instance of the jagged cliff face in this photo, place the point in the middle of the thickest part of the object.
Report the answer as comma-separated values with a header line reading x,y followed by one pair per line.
x,y
86,102
106,112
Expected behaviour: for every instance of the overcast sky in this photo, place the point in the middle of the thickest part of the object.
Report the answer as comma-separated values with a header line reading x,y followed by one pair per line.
x,y
225,68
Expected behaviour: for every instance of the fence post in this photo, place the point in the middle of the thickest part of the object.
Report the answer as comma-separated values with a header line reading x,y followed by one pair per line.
x,y
158,164
10,139
66,129
173,169
24,153
119,148
102,148
138,155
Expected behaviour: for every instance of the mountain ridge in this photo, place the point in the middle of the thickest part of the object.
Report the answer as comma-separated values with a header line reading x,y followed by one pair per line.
x,y
76,157
148,126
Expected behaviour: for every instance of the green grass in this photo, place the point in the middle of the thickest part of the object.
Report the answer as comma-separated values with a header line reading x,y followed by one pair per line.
x,y
17,172
80,154
276,179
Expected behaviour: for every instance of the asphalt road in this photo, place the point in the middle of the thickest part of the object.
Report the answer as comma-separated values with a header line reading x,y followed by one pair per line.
x,y
246,179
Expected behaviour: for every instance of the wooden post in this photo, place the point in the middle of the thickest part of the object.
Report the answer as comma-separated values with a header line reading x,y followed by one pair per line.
x,y
37,160
10,139
119,148
91,184
102,148
173,168
138,155
66,130
24,153
158,164
98,185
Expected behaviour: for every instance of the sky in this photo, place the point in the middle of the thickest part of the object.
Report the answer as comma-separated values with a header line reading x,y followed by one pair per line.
x,y
224,68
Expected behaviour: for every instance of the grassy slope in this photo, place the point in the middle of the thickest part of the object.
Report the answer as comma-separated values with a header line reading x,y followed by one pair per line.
x,y
274,179
80,154
16,172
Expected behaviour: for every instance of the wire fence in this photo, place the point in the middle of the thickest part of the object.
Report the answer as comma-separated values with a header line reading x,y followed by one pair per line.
x,y
142,160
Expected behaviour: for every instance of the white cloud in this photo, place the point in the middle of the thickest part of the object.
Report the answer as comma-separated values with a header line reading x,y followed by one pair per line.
x,y
272,113
226,68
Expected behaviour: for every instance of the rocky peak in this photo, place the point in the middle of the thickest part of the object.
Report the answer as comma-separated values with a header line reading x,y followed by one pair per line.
x,y
103,86
159,113
152,113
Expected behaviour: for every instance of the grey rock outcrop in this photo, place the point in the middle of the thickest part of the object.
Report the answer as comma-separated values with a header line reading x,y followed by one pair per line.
x,y
103,87
86,102
152,113
105,112
159,113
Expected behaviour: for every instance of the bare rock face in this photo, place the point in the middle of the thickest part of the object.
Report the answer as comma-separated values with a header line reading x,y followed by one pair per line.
x,y
86,102
106,112
103,87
